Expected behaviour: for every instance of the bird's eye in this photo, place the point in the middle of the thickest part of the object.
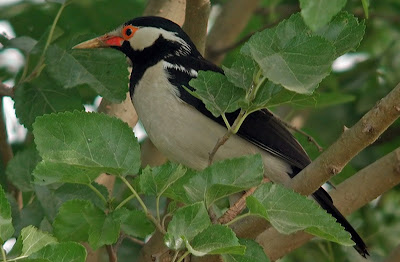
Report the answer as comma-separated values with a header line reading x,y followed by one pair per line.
x,y
128,31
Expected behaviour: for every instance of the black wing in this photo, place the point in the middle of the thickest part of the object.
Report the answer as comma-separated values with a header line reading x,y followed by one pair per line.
x,y
260,128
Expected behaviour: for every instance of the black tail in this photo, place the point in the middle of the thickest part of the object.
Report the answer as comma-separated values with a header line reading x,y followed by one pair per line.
x,y
323,198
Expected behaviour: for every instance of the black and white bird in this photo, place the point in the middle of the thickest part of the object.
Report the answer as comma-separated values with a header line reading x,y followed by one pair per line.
x,y
164,59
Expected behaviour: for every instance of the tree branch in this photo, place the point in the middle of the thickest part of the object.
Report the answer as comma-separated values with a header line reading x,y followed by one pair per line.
x,y
196,21
349,144
6,91
173,10
239,205
228,25
349,196
7,154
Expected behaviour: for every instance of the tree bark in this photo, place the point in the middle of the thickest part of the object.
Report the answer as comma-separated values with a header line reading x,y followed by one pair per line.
x,y
349,196
197,13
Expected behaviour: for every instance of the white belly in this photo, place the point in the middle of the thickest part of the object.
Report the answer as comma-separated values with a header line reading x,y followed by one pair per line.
x,y
186,136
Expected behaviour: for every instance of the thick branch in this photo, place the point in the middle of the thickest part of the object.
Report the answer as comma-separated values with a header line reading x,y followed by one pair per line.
x,y
228,25
196,21
349,196
173,10
349,144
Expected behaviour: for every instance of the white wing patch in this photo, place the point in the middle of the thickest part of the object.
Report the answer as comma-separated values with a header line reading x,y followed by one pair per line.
x,y
181,68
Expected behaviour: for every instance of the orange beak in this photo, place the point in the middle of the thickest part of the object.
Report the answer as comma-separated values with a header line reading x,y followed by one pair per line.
x,y
101,42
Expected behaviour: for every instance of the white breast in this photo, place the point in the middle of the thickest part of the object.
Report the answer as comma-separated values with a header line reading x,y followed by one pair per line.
x,y
186,136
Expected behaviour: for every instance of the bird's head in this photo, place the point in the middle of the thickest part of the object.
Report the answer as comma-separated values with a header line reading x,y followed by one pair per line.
x,y
146,39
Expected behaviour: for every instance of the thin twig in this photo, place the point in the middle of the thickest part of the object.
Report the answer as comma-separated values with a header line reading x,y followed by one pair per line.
x,y
142,204
219,143
231,131
135,240
298,130
6,91
98,193
112,256
238,207
183,256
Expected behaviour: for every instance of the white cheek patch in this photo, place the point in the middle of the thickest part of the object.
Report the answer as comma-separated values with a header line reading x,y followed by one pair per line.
x,y
146,36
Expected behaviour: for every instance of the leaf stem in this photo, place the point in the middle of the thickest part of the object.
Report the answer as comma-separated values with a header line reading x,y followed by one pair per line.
x,y
126,200
231,131
39,66
183,256
158,208
175,256
238,218
98,193
226,121
53,27
3,253
142,204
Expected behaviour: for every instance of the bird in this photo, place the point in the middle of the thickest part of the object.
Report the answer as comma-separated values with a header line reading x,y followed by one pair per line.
x,y
163,60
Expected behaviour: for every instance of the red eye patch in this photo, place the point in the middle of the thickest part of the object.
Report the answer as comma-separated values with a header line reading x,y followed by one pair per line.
x,y
128,31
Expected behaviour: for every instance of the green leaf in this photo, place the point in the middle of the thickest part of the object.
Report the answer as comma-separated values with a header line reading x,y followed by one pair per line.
x,y
43,96
134,222
6,227
19,169
291,56
344,31
317,13
154,181
242,72
176,191
104,229
289,212
84,144
264,95
23,43
70,224
62,252
33,240
31,215
225,178
34,260
68,192
216,239
103,70
80,220
254,253
54,172
186,223
217,93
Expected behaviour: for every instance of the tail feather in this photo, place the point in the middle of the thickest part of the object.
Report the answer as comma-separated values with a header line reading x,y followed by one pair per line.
x,y
325,201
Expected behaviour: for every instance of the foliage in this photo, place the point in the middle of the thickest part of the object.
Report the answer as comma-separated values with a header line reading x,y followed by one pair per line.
x,y
281,65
